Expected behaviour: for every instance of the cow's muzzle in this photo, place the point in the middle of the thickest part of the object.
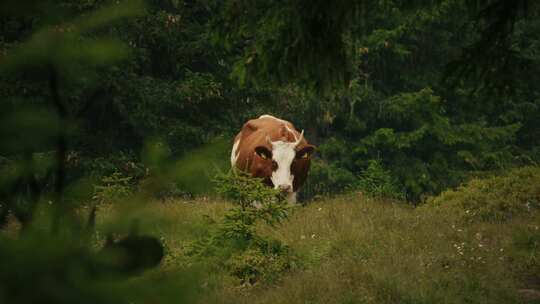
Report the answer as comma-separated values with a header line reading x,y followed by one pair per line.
x,y
285,188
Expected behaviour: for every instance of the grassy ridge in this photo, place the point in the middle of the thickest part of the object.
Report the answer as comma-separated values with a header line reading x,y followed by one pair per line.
x,y
359,250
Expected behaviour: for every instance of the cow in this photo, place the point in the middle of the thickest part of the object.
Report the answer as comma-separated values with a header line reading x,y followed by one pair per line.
x,y
272,149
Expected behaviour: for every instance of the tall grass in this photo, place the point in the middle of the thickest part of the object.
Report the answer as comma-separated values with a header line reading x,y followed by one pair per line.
x,y
360,250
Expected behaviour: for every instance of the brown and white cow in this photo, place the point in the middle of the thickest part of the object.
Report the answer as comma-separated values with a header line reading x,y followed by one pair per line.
x,y
272,149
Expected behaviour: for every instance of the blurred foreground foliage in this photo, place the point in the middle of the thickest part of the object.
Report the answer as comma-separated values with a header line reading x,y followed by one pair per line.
x,y
67,268
50,250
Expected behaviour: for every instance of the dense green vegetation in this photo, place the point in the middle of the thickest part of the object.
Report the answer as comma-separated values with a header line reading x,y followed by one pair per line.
x,y
396,87
117,113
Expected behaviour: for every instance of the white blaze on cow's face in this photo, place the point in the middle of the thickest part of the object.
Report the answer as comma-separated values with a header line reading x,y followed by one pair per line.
x,y
283,154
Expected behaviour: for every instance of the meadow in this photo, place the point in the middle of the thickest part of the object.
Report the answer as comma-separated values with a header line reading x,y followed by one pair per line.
x,y
477,244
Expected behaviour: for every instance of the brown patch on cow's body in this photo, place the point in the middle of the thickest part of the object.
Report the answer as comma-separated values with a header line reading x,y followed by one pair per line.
x,y
253,135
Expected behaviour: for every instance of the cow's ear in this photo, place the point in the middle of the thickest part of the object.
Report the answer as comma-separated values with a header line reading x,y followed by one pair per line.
x,y
305,152
263,152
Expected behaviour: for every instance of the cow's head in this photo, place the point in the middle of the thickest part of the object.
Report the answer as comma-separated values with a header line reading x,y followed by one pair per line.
x,y
284,158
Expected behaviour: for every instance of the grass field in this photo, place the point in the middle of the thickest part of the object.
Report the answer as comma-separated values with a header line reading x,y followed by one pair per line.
x,y
461,247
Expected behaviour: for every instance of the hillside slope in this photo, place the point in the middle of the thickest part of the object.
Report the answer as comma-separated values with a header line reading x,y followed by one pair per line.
x,y
353,249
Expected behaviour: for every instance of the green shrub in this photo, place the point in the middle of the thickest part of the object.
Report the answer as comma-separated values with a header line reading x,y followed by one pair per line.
x,y
496,198
325,179
112,188
330,178
377,182
124,163
255,264
234,242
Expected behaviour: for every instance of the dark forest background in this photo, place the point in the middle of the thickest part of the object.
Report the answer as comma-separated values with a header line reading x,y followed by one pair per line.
x,y
421,96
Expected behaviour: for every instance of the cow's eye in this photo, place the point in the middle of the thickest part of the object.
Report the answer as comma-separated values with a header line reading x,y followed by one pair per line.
x,y
305,153
302,155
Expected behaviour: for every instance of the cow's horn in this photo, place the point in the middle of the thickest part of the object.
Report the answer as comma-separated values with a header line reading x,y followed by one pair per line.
x,y
300,138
